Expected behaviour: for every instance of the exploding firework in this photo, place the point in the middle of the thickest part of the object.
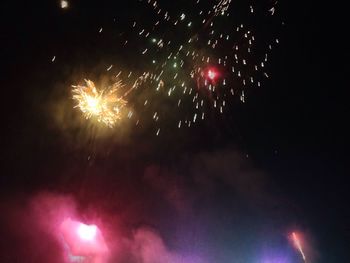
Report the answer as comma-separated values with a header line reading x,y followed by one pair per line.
x,y
193,60
104,104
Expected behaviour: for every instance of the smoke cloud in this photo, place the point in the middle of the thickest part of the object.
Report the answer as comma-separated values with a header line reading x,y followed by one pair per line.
x,y
207,207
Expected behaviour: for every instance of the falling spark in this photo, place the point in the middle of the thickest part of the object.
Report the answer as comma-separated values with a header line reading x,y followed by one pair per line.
x,y
298,245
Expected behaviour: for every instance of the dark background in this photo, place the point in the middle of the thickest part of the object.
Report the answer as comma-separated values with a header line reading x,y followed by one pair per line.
x,y
294,128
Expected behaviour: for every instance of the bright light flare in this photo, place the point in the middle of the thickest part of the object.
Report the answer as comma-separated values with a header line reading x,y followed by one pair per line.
x,y
212,74
87,232
64,4
298,245
82,240
103,105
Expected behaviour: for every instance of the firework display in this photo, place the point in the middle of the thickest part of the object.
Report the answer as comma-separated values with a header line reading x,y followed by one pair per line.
x,y
193,63
173,131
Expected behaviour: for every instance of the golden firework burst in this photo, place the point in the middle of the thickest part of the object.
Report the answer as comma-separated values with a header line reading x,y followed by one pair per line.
x,y
104,105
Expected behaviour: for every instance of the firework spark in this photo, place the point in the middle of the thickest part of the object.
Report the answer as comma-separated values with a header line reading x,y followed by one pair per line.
x,y
205,64
298,245
104,104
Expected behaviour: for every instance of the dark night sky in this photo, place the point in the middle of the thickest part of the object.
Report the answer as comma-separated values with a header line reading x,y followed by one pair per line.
x,y
293,129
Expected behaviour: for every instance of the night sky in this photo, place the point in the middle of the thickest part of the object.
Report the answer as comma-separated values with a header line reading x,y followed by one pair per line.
x,y
230,189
